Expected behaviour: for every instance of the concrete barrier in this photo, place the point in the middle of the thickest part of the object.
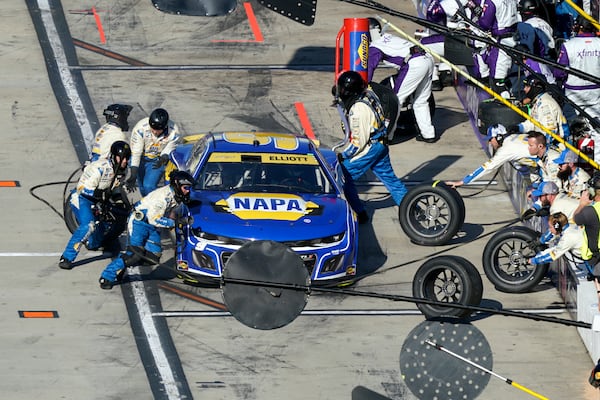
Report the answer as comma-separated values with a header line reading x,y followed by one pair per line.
x,y
578,293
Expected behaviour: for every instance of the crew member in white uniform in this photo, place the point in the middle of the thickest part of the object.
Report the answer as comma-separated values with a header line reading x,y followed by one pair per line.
x,y
581,52
508,148
113,130
151,213
570,238
499,18
152,140
572,179
533,31
446,13
98,180
414,75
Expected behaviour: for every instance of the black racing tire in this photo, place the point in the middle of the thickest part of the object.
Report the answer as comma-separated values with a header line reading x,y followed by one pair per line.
x,y
431,214
407,117
69,215
447,279
121,208
505,260
492,112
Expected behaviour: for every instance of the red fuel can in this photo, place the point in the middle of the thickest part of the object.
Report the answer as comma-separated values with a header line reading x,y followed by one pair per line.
x,y
356,47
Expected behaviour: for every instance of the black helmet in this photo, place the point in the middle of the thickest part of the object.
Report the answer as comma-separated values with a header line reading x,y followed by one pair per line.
x,y
583,24
536,86
117,114
528,7
350,84
594,184
159,119
177,180
119,149
534,81
579,126
594,181
374,29
374,24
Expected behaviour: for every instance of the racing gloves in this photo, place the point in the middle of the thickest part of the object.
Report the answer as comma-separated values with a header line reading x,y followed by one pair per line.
x,y
161,162
131,183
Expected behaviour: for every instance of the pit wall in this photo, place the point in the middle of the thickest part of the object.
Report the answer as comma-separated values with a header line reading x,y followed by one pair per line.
x,y
578,293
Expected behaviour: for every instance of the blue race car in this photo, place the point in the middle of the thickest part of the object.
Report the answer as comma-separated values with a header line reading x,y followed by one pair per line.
x,y
264,186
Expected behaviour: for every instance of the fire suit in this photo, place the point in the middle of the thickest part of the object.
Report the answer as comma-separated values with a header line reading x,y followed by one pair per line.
x,y
442,12
366,149
514,148
104,138
414,76
548,113
97,176
500,18
541,69
582,52
575,183
150,214
147,150
565,204
570,239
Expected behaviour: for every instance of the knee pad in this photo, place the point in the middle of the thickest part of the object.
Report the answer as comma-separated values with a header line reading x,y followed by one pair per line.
x,y
132,256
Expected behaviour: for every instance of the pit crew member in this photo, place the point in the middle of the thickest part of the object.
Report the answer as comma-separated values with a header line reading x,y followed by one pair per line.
x,y
366,149
152,140
98,180
150,214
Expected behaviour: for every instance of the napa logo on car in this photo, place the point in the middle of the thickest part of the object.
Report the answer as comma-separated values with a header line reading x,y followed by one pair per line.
x,y
274,206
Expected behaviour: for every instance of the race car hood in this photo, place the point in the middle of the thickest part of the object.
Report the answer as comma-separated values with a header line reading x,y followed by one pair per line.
x,y
269,216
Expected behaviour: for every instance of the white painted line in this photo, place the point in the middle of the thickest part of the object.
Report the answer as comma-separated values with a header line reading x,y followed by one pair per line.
x,y
146,318
91,253
179,314
65,73
30,254
140,298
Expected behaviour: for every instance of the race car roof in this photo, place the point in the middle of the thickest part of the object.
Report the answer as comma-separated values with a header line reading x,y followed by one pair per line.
x,y
257,142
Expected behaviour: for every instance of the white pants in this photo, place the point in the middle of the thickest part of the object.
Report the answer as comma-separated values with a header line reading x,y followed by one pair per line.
x,y
415,78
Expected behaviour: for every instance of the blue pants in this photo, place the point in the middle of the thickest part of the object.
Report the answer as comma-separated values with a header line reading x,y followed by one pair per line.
x,y
378,161
141,234
350,191
148,176
87,222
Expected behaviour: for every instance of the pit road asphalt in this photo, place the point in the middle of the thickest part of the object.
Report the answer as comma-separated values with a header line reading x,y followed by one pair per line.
x,y
151,338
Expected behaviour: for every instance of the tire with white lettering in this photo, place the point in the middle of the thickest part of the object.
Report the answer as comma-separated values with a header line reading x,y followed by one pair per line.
x,y
431,214
447,279
505,260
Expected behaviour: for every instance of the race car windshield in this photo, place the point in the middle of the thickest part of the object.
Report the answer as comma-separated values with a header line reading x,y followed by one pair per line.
x,y
249,174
